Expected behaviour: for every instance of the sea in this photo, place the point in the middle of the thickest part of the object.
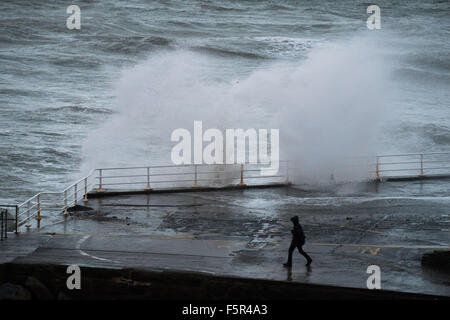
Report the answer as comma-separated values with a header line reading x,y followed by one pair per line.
x,y
112,92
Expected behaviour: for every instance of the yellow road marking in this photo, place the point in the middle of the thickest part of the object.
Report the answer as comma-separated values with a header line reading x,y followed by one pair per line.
x,y
372,252
355,245
262,247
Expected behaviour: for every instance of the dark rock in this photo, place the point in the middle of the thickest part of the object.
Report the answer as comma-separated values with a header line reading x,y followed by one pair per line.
x,y
38,290
9,291
82,211
79,208
437,259
62,296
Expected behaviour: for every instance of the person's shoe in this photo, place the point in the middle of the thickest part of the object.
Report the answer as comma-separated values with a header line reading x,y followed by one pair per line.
x,y
309,262
287,265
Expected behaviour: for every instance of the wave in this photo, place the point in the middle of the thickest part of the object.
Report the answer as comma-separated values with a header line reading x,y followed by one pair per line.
x,y
21,92
84,62
77,109
279,46
214,51
220,8
129,44
440,135
418,138
280,5
31,157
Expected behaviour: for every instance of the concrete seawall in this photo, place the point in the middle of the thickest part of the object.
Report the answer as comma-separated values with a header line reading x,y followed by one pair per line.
x,y
130,283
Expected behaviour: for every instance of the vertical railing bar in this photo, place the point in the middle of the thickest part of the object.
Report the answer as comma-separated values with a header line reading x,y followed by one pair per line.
x,y
241,183
75,200
38,218
287,173
1,224
17,220
421,165
148,179
6,225
195,178
100,189
85,199
377,170
28,225
65,203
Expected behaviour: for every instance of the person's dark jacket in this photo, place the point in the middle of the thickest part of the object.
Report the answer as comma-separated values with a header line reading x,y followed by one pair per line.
x,y
298,236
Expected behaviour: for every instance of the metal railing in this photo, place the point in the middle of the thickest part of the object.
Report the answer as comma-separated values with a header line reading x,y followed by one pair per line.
x,y
140,178
412,165
3,224
170,177
6,217
30,210
186,176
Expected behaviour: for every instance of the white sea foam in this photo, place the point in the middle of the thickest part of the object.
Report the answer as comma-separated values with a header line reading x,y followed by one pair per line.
x,y
327,107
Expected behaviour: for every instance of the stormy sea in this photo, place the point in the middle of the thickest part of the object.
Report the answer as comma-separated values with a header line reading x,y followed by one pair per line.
x,y
110,93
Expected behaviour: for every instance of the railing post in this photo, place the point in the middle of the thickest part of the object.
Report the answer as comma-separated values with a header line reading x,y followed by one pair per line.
x,y
2,222
85,199
195,178
65,203
17,220
377,170
287,173
100,181
6,225
148,180
241,183
38,217
28,225
421,174
75,194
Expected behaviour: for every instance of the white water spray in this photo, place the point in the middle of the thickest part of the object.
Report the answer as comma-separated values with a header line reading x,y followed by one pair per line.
x,y
327,107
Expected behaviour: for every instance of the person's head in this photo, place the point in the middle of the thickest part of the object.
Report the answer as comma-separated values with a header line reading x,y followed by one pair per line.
x,y
294,220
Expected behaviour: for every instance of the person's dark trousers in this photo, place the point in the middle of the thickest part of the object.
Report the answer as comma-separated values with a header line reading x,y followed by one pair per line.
x,y
299,246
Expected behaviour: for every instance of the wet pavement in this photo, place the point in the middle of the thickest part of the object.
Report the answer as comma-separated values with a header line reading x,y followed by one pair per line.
x,y
246,233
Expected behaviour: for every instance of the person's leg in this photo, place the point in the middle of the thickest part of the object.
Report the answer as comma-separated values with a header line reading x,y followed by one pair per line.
x,y
303,253
291,250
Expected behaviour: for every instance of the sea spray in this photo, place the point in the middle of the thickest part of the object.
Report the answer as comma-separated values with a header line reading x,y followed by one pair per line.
x,y
328,107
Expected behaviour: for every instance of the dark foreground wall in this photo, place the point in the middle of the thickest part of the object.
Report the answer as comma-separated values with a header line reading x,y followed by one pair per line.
x,y
49,282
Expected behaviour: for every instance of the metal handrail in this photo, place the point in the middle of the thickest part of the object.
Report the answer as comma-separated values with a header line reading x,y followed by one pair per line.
x,y
33,205
3,224
227,173
4,220
411,154
16,207
185,165
421,168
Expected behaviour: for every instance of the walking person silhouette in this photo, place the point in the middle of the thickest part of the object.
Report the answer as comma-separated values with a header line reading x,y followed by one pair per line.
x,y
298,241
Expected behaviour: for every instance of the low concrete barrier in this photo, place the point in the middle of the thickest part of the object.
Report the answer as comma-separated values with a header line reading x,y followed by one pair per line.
x,y
103,283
